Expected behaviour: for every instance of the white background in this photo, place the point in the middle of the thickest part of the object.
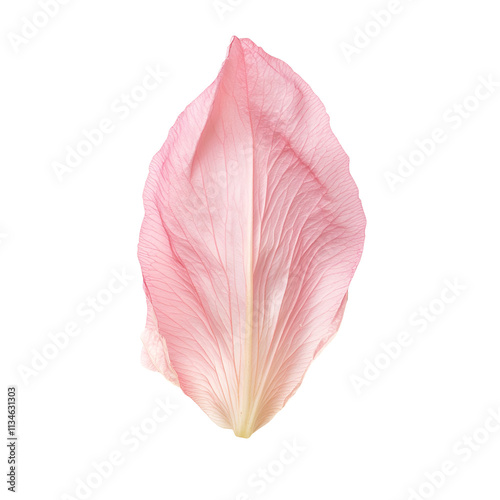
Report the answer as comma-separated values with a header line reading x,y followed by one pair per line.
x,y
61,241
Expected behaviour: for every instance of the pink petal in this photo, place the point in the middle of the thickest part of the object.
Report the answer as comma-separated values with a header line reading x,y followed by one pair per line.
x,y
252,233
